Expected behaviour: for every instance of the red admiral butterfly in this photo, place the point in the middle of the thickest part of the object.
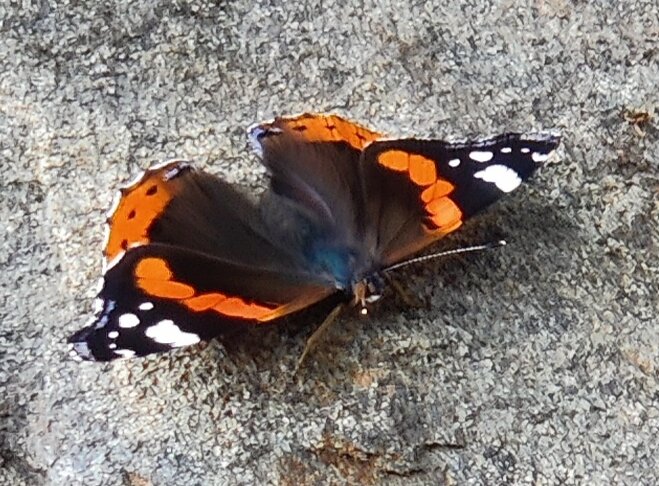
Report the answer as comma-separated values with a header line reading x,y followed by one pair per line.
x,y
189,257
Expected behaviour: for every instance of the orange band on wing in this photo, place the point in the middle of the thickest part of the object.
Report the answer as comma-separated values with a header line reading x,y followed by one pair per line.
x,y
330,128
236,307
439,188
139,205
422,170
153,269
395,160
444,214
204,301
156,279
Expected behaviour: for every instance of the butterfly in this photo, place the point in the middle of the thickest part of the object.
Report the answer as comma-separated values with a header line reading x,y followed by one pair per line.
x,y
189,256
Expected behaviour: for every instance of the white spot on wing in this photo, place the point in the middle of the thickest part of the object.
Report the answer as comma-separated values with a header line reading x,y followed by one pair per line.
x,y
174,171
526,150
454,162
180,165
112,346
128,320
166,332
539,157
505,178
113,334
145,306
481,155
506,150
125,353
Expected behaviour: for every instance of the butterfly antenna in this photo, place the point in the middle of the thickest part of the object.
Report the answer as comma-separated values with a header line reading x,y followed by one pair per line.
x,y
457,251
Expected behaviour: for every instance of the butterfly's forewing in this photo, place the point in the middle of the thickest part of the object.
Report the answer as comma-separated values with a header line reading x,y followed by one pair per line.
x,y
188,257
417,191
313,162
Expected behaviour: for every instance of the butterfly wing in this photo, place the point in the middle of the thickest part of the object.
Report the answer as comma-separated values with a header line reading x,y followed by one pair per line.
x,y
176,204
417,191
367,202
187,258
313,161
314,127
389,198
159,297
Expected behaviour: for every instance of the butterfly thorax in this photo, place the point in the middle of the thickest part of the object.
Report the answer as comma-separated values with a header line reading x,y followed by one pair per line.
x,y
367,290
351,271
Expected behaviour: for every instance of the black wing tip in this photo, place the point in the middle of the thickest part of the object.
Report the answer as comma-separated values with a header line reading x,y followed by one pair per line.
x,y
551,138
80,347
79,351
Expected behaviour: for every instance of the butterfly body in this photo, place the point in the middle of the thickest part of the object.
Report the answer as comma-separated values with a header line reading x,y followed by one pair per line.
x,y
190,257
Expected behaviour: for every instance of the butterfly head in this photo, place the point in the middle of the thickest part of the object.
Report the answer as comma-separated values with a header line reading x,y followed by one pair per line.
x,y
367,290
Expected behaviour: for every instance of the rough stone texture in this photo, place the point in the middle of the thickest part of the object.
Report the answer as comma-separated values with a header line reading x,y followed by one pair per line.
x,y
535,364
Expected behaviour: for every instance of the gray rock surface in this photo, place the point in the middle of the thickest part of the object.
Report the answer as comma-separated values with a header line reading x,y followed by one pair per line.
x,y
534,364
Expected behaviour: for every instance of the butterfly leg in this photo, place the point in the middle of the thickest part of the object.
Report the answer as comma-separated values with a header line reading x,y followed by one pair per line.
x,y
410,300
312,342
